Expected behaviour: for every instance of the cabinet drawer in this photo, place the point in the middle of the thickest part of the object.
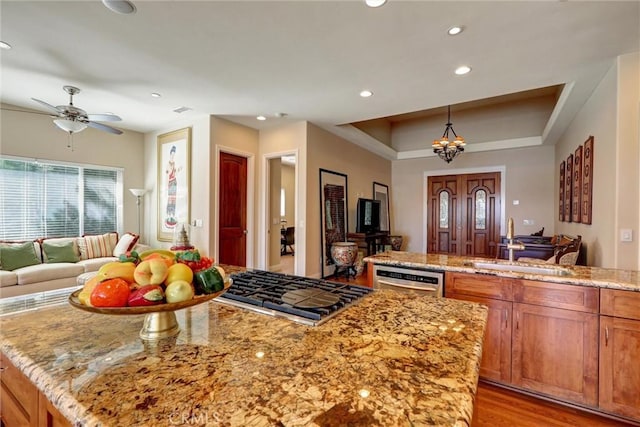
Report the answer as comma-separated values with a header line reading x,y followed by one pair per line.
x,y
19,396
557,295
620,303
478,285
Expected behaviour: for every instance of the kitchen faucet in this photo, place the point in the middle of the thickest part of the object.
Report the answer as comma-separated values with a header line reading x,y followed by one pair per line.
x,y
510,245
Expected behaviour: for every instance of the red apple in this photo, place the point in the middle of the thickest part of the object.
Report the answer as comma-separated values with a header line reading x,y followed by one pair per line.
x,y
151,272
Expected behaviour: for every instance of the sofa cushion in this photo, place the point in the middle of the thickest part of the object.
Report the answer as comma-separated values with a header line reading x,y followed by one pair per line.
x,y
44,272
60,250
126,243
17,255
94,264
8,278
97,246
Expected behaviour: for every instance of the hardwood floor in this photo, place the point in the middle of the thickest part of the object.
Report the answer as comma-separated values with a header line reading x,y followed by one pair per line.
x,y
498,407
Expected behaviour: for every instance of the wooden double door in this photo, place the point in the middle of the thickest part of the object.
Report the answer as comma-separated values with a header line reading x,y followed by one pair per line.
x,y
464,214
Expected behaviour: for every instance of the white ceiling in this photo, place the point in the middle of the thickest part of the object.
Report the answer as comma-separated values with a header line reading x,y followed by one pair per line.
x,y
307,59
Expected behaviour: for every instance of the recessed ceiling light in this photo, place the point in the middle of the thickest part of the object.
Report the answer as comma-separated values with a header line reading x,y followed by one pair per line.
x,y
261,118
122,7
156,95
366,93
375,3
454,30
464,69
5,45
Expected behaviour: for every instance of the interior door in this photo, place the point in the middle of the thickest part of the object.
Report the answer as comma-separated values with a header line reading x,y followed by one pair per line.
x,y
464,214
232,233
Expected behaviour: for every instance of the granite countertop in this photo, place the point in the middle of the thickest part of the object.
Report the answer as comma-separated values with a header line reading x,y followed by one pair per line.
x,y
390,360
577,275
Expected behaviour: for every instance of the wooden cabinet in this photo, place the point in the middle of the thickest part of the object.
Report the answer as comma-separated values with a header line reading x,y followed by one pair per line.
x,y
22,404
555,351
619,350
495,294
540,336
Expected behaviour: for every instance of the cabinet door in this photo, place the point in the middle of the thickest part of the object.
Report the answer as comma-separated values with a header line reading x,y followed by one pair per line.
x,y
496,347
18,396
619,367
555,352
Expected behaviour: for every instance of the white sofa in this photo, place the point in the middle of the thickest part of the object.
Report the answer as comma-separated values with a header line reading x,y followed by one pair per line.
x,y
92,252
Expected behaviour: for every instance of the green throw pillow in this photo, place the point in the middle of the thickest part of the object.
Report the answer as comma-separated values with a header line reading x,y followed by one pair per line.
x,y
13,257
60,252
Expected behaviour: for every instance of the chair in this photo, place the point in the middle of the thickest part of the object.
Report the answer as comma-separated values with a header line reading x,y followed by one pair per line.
x,y
288,239
567,251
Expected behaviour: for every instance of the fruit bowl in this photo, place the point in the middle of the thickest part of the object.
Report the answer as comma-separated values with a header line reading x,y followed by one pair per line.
x,y
160,321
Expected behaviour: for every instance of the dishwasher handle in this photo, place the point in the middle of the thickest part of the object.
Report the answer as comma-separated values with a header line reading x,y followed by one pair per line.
x,y
417,288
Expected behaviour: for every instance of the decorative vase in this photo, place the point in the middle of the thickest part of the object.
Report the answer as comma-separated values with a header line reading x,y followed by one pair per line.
x,y
396,242
344,254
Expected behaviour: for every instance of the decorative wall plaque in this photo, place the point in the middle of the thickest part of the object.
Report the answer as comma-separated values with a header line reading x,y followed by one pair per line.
x,y
577,185
587,181
561,210
568,187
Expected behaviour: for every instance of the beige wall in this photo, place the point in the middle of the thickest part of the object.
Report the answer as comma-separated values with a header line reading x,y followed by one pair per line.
x,y
288,182
362,168
275,181
274,143
611,116
529,179
35,136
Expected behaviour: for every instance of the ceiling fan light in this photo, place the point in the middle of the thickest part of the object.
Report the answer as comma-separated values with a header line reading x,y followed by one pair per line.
x,y
70,126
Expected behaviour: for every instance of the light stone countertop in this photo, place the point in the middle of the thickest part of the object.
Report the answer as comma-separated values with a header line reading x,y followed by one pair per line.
x,y
578,275
391,360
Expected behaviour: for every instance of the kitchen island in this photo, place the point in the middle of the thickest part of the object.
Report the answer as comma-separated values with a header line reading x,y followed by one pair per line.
x,y
391,359
567,333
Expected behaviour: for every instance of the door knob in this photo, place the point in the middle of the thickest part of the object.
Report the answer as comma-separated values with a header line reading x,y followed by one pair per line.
x,y
245,231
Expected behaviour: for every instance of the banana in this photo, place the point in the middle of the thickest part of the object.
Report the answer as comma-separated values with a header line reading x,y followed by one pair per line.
x,y
164,252
117,269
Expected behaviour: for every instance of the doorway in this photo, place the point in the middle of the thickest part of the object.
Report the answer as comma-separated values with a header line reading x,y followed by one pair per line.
x,y
232,225
281,229
464,214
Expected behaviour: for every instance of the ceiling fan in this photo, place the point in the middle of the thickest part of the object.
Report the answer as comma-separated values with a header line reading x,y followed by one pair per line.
x,y
72,119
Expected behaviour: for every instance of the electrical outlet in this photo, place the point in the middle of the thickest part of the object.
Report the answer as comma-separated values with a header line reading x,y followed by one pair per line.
x,y
528,222
626,235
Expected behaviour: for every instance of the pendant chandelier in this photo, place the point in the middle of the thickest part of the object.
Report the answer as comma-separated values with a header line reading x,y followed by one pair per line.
x,y
445,149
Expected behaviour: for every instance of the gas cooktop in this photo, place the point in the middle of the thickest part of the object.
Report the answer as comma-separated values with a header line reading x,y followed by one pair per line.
x,y
301,299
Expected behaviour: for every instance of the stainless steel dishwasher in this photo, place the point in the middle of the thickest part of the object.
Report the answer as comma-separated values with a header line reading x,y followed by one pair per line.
x,y
409,279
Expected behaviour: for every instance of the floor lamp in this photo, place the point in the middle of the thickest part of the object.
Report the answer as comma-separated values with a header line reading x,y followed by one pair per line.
x,y
138,192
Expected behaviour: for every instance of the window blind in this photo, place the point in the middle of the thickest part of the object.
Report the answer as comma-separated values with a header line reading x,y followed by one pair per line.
x,y
40,199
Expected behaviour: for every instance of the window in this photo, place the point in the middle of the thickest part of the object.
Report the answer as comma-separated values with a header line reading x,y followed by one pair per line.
x,y
46,199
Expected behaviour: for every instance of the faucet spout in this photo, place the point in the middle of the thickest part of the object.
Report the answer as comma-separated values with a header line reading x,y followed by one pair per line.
x,y
511,246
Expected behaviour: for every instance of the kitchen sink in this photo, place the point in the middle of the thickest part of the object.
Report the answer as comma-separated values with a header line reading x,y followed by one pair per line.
x,y
522,268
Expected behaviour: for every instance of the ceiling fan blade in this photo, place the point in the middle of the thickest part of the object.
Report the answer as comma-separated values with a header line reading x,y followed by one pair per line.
x,y
47,105
104,117
105,128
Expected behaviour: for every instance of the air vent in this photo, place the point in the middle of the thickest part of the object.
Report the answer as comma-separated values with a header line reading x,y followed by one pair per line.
x,y
182,109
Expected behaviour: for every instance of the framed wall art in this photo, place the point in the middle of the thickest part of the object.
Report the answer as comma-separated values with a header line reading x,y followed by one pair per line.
x,y
587,181
381,192
174,173
333,215
561,210
577,185
568,181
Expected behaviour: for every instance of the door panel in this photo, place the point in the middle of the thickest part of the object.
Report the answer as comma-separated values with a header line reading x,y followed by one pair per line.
x,y
464,214
232,235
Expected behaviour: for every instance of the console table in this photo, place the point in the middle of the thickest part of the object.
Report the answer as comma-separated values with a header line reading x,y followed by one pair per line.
x,y
371,240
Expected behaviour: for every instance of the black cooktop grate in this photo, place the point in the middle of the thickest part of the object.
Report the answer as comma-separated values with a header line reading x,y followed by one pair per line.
x,y
265,289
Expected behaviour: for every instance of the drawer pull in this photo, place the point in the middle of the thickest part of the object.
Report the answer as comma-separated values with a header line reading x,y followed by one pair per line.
x,y
606,336
506,324
517,320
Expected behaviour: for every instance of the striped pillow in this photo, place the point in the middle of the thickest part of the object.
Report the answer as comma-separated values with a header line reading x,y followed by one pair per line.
x,y
97,246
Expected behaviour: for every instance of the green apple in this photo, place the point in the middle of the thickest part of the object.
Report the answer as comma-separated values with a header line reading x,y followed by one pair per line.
x,y
178,291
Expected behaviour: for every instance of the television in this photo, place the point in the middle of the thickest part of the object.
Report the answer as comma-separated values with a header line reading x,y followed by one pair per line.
x,y
368,216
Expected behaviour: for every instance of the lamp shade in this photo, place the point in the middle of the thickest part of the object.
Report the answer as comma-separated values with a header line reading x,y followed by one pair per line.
x,y
138,191
71,126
